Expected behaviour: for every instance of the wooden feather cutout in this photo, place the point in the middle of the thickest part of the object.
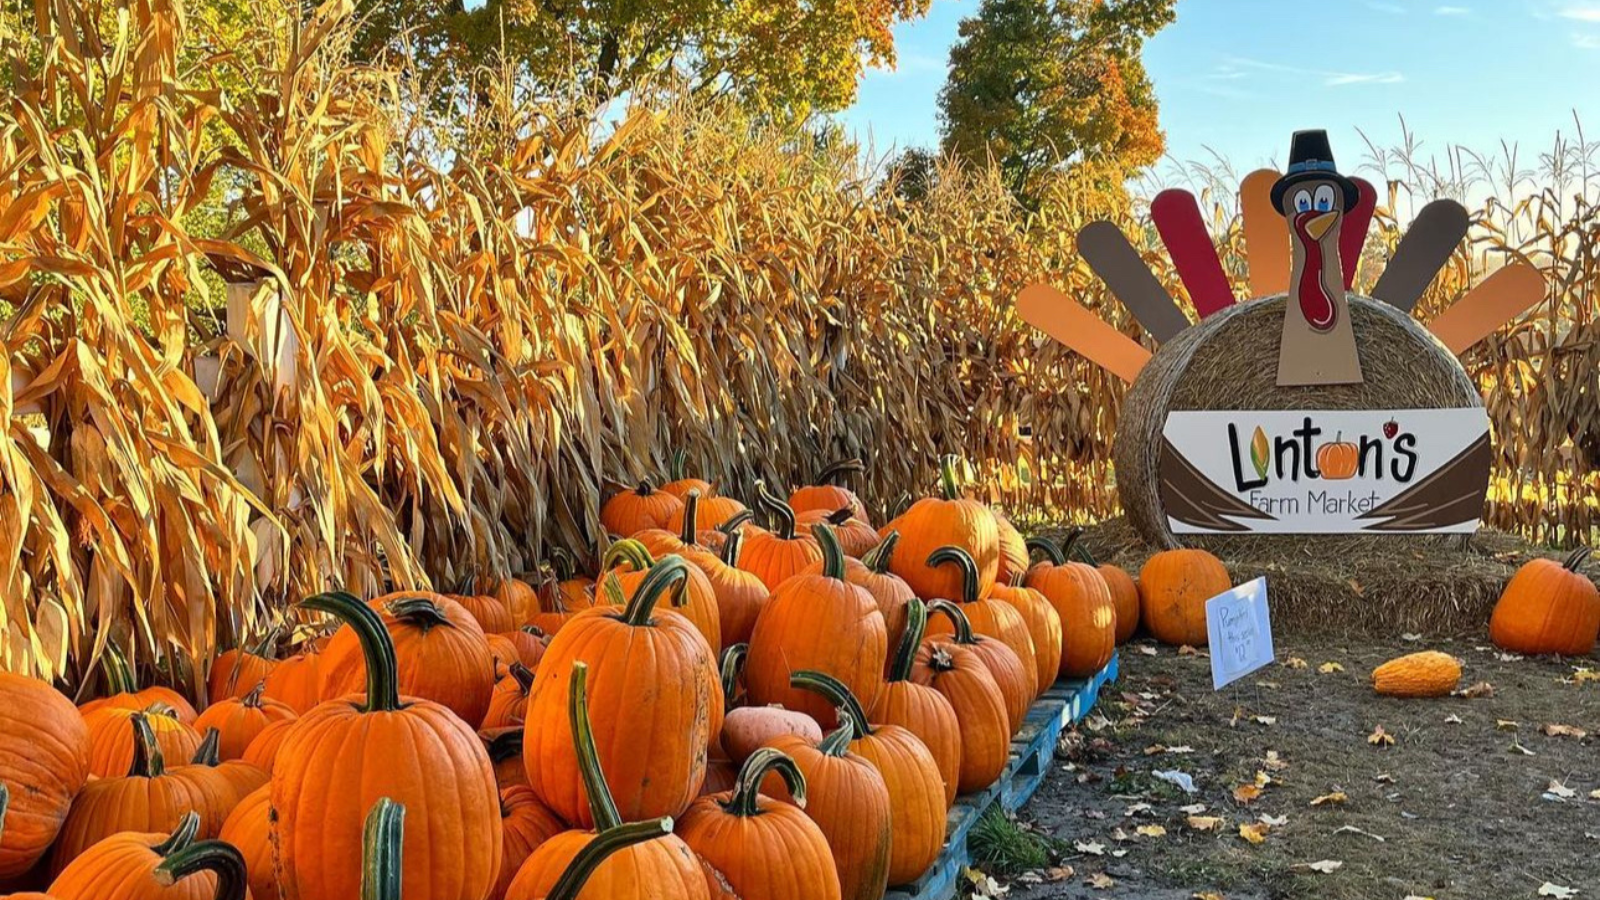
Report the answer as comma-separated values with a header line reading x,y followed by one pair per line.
x,y
1066,320
1353,230
1183,231
1107,251
1266,242
1498,299
1433,235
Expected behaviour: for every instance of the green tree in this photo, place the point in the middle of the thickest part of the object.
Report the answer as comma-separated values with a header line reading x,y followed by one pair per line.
x,y
1044,84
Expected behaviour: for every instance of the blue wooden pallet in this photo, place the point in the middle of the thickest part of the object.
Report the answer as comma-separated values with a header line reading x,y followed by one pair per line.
x,y
1031,752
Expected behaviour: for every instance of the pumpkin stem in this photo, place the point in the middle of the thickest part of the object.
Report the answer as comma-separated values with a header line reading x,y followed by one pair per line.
x,y
119,674
252,699
630,552
645,488
600,848
1049,551
837,744
969,570
181,837
835,692
679,458
730,547
218,857
672,572
731,526
831,472
940,660
381,841
778,509
418,611
948,486
832,552
562,564
747,789
733,660
209,753
840,516
1576,559
505,745
957,618
377,647
906,654
268,641
601,804
691,515
147,759
1072,545
535,630
877,559
523,675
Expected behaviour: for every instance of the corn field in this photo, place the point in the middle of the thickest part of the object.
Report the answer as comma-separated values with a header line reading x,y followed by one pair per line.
x,y
274,322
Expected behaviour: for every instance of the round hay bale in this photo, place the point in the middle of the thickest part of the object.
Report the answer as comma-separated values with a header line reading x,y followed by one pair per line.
x,y
1229,361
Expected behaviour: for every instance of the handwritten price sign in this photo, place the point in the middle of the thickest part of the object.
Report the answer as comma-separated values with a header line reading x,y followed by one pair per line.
x,y
1240,632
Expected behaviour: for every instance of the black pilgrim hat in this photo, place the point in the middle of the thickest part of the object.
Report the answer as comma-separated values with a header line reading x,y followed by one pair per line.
x,y
1311,159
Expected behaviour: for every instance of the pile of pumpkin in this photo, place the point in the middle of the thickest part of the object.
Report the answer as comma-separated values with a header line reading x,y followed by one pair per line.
x,y
725,710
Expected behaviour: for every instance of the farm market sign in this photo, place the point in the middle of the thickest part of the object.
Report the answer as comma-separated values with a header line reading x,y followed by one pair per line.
x,y
1325,472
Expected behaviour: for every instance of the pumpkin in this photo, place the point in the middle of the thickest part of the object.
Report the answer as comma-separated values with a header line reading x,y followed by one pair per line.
x,y
827,495
1124,590
142,866
819,622
111,737
516,595
441,654
529,643
919,708
990,619
346,754
849,802
1079,595
681,486
236,672
916,792
125,693
714,539
241,720
1174,586
296,682
740,594
630,512
1013,676
708,513
263,751
44,763
504,746
856,536
237,778
629,564
508,705
1548,607
1426,674
763,848
945,521
750,728
888,590
647,664
962,677
774,556
525,824
248,828
490,614
561,597
1042,622
617,860
147,797
1013,551
1338,458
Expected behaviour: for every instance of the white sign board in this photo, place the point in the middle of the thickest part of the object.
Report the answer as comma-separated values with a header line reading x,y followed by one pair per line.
x,y
1239,632
1409,471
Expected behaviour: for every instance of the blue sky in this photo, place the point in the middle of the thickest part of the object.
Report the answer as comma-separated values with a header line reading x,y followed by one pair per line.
x,y
1238,76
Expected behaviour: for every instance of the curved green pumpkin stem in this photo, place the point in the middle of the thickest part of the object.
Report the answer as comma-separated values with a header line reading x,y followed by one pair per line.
x,y
836,692
119,674
209,753
877,559
957,618
522,674
181,837
218,857
837,744
671,572
382,838
832,471
600,848
602,806
691,515
1044,548
733,660
377,647
747,789
779,510
731,547
1072,545
268,641
536,631
1576,559
505,745
629,552
949,487
418,611
969,569
832,551
906,653
562,565
680,457
730,525
147,759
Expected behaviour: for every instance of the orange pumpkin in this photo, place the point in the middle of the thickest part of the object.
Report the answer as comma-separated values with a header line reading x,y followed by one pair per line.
x,y
1338,458
249,829
740,594
526,645
958,673
1042,622
1013,551
125,693
440,650
111,737
989,619
1548,607
525,824
346,754
1174,586
561,597
630,512
919,708
296,682
819,622
945,521
263,751
775,556
628,564
856,536
1014,676
136,865
508,705
236,672
238,778
709,512
515,595
504,746
1079,595
241,720
680,486
491,615
1123,589
888,590
44,759
636,652
828,495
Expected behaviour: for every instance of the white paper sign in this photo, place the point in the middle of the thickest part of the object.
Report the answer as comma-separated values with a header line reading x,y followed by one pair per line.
x,y
1239,631
1325,471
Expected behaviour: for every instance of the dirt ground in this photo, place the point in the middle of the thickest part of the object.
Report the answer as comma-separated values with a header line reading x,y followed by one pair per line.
x,y
1467,802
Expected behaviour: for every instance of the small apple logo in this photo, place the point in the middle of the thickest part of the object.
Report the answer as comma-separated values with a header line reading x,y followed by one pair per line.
x,y
1390,429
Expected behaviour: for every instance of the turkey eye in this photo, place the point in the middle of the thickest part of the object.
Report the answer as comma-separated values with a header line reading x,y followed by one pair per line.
x,y
1302,202
1324,197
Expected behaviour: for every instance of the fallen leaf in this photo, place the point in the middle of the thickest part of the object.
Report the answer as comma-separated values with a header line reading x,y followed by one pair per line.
x,y
1273,821
1505,725
1101,881
1183,780
1147,650
1154,750
1356,588
1452,719
1059,873
1274,761
1594,794
1119,835
1517,746
1557,789
1508,657
1193,809
1093,848
1335,797
1118,854
1245,794
1351,829
1580,674
1328,668
1262,779
1151,831
1180,750
1204,823
1267,720
1555,890
1325,866
1411,637
1554,730
1187,650
1295,662
1380,738
1483,690
1255,832
1269,685
1383,778
1136,809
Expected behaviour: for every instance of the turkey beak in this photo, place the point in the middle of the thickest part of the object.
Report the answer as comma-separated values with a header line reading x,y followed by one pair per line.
x,y
1319,226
